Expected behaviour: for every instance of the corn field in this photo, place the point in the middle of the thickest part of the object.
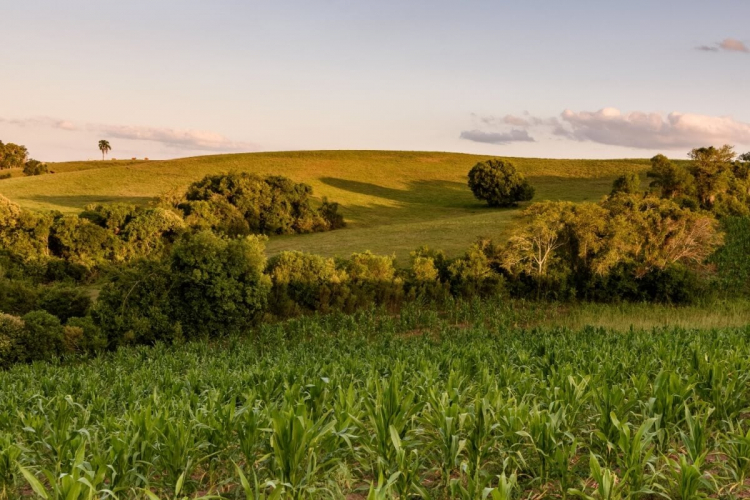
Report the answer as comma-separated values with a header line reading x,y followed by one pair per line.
x,y
460,406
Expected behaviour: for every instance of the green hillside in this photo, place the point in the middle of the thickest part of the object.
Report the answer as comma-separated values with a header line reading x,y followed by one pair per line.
x,y
393,201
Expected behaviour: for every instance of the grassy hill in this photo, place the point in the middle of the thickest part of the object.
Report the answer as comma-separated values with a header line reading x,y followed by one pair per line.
x,y
393,201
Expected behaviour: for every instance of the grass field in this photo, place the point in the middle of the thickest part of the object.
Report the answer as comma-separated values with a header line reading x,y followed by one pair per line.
x,y
442,403
393,201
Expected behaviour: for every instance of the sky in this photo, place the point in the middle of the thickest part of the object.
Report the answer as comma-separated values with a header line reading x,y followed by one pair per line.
x,y
559,79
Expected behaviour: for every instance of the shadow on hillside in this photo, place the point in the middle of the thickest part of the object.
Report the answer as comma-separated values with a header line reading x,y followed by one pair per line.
x,y
421,200
80,201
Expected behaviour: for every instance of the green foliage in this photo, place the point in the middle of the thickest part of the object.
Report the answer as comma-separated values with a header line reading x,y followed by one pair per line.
x,y
81,241
12,155
244,203
219,285
64,301
733,266
35,167
304,283
629,183
12,333
499,184
475,407
87,338
134,306
43,336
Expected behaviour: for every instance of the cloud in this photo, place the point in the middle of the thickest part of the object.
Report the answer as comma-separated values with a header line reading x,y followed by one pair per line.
x,y
197,140
653,130
40,121
733,45
180,139
728,45
514,135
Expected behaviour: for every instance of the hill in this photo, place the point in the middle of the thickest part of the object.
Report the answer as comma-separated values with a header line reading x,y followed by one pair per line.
x,y
393,201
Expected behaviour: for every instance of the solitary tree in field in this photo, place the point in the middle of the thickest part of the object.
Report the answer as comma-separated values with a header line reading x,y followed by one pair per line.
x,y
104,147
499,184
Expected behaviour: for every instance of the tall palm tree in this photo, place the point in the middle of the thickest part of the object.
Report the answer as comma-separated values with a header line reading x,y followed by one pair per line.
x,y
104,147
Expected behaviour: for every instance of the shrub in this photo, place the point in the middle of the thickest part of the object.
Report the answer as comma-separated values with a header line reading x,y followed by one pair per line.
x,y
629,183
473,274
305,282
424,282
11,340
43,336
373,280
243,203
81,241
22,233
18,296
6,175
65,301
35,167
499,184
134,306
219,285
82,335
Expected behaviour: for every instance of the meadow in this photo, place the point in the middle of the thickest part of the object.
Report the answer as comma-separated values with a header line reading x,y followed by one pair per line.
x,y
478,400
394,202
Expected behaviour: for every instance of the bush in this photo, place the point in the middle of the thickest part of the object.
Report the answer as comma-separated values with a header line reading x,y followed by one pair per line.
x,y
81,241
373,280
219,285
134,306
65,301
238,204
18,296
35,167
82,335
424,281
629,183
473,275
305,283
499,184
43,336
11,340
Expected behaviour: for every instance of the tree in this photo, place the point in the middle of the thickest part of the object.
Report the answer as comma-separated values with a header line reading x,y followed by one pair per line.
x,y
218,283
711,169
499,184
12,155
34,167
532,248
672,180
104,147
627,183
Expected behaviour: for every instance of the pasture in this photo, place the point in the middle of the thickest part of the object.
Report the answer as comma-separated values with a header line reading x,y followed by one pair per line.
x,y
393,201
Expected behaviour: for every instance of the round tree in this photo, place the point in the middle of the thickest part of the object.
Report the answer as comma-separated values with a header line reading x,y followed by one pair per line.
x,y
499,184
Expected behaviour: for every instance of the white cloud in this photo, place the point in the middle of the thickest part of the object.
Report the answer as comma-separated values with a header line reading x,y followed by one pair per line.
x,y
653,130
196,140
181,139
514,135
40,121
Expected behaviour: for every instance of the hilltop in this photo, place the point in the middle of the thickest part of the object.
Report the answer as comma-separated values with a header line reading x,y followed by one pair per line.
x,y
393,201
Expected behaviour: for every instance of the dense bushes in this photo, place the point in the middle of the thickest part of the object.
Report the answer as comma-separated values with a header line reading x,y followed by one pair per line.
x,y
499,184
40,336
243,203
208,284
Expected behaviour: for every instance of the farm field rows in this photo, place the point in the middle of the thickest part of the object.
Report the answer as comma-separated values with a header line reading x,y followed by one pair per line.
x,y
452,404
393,201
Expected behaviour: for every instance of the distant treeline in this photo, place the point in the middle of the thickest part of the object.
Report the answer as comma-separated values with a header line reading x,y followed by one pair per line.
x,y
194,266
